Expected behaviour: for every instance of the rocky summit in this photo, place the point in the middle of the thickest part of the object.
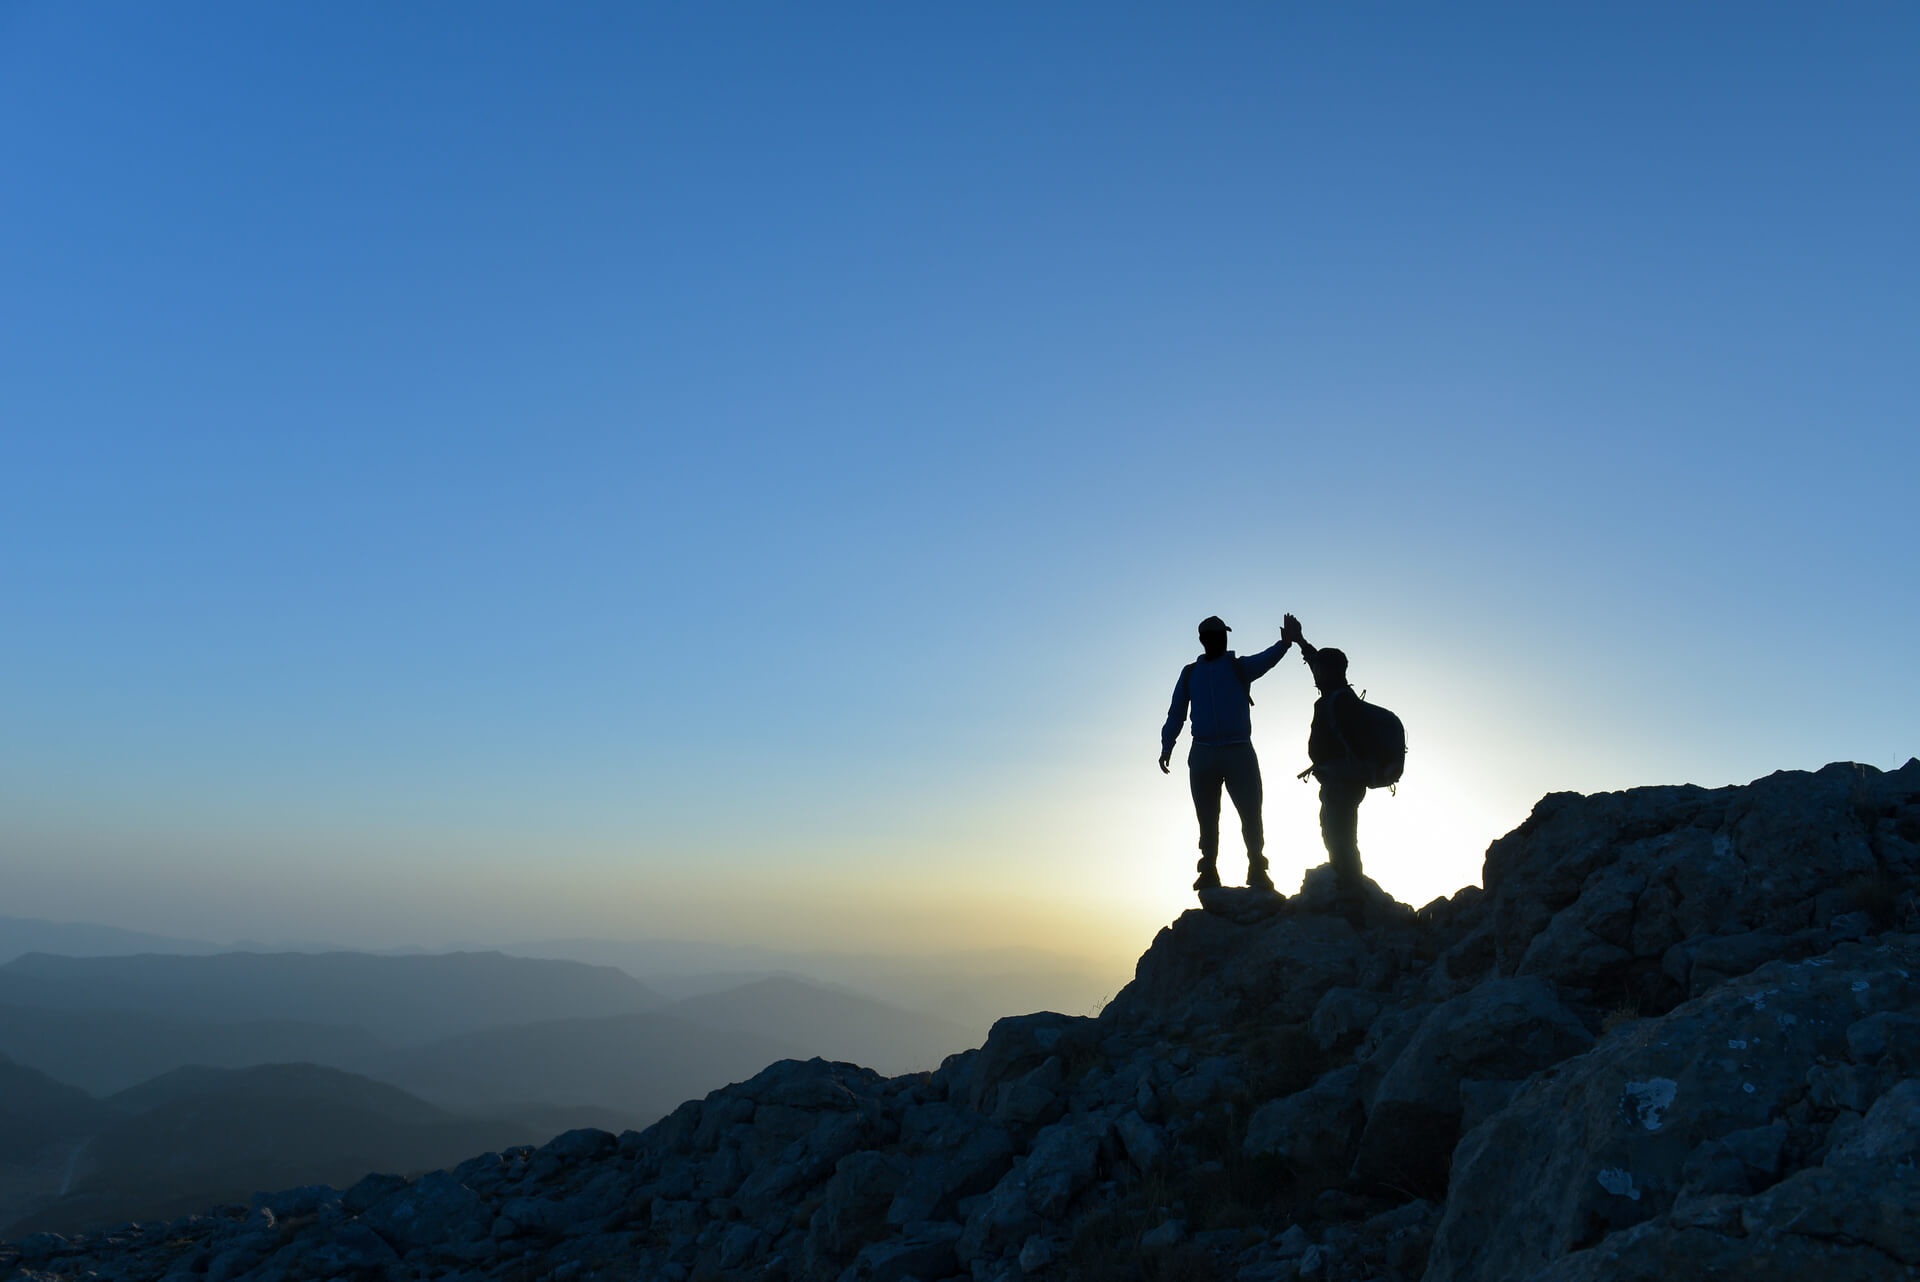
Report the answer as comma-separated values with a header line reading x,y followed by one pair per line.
x,y
1676,1034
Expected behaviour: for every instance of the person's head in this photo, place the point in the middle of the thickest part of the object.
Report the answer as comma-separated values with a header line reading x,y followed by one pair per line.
x,y
1329,669
1213,636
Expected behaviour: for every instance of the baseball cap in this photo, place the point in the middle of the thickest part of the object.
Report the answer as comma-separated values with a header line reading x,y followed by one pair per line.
x,y
1214,623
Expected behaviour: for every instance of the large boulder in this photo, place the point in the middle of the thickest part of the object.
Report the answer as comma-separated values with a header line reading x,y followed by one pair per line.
x,y
435,1210
1204,969
960,1162
1594,891
1501,1031
1857,1225
1015,1047
1313,1131
853,1208
1614,1138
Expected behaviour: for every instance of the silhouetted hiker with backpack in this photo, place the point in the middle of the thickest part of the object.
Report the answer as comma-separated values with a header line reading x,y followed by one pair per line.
x,y
1354,745
1217,689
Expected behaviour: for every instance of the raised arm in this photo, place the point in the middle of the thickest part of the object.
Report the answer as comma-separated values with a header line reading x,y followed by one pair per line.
x,y
1255,666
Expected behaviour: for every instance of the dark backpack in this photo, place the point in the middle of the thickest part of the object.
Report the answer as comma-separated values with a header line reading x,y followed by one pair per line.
x,y
1374,737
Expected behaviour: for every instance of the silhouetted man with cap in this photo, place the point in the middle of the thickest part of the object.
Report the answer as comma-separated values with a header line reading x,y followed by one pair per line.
x,y
1216,689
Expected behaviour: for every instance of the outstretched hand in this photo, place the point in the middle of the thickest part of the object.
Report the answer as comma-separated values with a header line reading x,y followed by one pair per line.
x,y
1164,758
1290,630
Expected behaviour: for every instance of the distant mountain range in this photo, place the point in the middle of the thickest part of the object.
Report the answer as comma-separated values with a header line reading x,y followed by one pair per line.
x,y
832,1023
970,988
136,1083
106,1027
276,1069
104,1051
640,1065
399,999
198,1136
82,939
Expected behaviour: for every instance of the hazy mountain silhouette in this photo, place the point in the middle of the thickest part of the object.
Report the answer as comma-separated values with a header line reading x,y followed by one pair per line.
x,y
545,1041
969,987
830,1023
199,1136
624,1068
36,1110
42,1124
400,999
104,1051
20,935
639,1065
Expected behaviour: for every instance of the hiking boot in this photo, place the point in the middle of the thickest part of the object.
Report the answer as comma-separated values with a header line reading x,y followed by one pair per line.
x,y
1209,877
1258,880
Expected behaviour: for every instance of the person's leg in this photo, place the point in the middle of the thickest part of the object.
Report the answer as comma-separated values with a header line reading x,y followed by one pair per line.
x,y
1243,785
1340,829
1204,777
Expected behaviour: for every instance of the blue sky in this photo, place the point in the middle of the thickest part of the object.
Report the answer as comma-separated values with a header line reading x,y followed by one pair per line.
x,y
493,471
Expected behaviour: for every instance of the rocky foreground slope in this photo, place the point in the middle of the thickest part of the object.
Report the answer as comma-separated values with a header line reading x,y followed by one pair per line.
x,y
1678,1033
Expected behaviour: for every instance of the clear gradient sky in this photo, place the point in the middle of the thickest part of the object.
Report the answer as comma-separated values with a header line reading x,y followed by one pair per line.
x,y
752,471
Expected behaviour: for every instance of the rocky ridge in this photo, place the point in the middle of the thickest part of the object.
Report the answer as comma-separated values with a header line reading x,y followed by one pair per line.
x,y
1677,1032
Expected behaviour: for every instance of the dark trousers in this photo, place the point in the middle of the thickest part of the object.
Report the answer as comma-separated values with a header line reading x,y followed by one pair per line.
x,y
1340,828
1233,765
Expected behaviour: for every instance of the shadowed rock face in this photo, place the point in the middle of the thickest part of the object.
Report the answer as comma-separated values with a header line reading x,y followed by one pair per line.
x,y
1678,1033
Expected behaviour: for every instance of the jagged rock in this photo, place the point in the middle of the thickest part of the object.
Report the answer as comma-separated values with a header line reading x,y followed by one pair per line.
x,y
540,1216
1241,904
1392,1245
242,1252
853,1210
1605,1138
1593,890
1215,1075
813,1085
1039,1187
1818,1224
1504,1029
433,1211
944,1173
925,1253
1036,1255
1480,1100
1034,1098
349,1250
1314,1131
1890,1132
1016,1046
370,1192
1888,1033
1002,1217
1204,969
308,1199
1343,1016
1144,1142
37,1248
581,1145
1321,895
